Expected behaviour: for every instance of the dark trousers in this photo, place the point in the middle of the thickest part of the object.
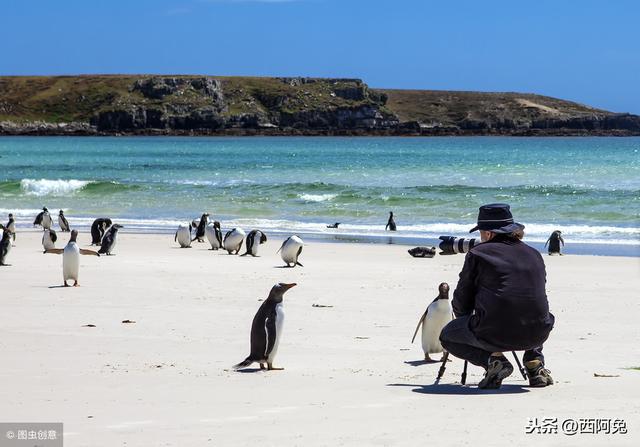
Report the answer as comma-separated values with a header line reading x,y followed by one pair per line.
x,y
460,341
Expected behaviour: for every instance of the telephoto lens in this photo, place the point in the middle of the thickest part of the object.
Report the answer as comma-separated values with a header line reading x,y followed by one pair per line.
x,y
452,245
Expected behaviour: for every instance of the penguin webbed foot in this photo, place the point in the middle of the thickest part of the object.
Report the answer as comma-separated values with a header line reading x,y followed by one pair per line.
x,y
273,368
262,366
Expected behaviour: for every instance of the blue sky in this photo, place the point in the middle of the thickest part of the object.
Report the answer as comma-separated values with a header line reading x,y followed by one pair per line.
x,y
582,50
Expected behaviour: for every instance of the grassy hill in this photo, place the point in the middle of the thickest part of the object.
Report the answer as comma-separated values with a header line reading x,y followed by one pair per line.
x,y
146,104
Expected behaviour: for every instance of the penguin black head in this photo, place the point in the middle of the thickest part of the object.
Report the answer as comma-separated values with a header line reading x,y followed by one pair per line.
x,y
263,238
44,208
278,290
61,213
216,224
74,236
443,289
10,216
116,227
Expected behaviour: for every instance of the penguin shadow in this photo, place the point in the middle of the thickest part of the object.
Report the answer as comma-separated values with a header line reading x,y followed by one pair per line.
x,y
464,390
250,370
421,362
60,286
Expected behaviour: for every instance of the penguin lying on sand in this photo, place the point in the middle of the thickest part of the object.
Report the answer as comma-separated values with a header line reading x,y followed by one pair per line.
x,y
71,258
437,315
423,252
266,329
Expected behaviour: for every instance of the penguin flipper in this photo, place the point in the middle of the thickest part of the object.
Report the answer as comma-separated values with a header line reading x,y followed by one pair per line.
x,y
88,252
420,322
270,327
55,251
283,243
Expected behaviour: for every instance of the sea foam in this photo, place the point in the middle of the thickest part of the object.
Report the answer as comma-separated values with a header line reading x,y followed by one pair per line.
x,y
46,187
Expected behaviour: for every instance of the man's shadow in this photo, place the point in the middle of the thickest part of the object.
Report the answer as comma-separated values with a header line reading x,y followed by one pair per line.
x,y
458,389
421,362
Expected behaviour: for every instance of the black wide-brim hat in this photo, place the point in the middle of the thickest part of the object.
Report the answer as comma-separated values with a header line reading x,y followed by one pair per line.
x,y
497,218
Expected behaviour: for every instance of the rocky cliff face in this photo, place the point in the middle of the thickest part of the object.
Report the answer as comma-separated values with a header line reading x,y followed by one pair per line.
x,y
107,105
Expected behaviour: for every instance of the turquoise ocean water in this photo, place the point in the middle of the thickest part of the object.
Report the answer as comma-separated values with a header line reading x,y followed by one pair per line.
x,y
589,188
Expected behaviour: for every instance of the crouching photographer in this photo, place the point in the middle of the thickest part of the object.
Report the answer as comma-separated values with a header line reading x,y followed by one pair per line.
x,y
500,302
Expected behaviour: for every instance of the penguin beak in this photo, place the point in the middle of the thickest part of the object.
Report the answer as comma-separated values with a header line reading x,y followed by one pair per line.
x,y
288,286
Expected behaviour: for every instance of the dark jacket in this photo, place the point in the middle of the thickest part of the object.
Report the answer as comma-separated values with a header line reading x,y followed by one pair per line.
x,y
503,281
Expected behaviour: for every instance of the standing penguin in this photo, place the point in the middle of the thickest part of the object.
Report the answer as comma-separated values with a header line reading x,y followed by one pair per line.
x,y
290,250
98,228
11,226
266,329
71,258
554,242
109,240
201,227
254,239
43,219
214,235
391,224
437,315
63,222
5,245
233,240
183,236
49,238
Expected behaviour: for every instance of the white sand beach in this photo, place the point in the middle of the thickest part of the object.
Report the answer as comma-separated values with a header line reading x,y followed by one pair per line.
x,y
351,375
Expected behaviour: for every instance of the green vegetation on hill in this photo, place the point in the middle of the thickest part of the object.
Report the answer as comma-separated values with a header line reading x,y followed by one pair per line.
x,y
167,104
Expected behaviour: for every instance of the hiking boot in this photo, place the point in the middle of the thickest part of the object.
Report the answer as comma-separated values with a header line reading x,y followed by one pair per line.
x,y
498,369
539,376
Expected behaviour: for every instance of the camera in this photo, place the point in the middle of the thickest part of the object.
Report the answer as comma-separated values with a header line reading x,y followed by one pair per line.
x,y
451,245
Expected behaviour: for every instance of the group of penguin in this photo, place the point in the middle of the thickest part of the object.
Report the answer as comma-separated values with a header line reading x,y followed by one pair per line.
x,y
103,233
232,241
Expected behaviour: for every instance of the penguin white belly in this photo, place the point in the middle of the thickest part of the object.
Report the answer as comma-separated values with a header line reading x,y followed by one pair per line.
x,y
210,232
253,250
234,240
113,244
71,261
47,243
289,252
11,227
438,315
184,236
47,222
279,326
